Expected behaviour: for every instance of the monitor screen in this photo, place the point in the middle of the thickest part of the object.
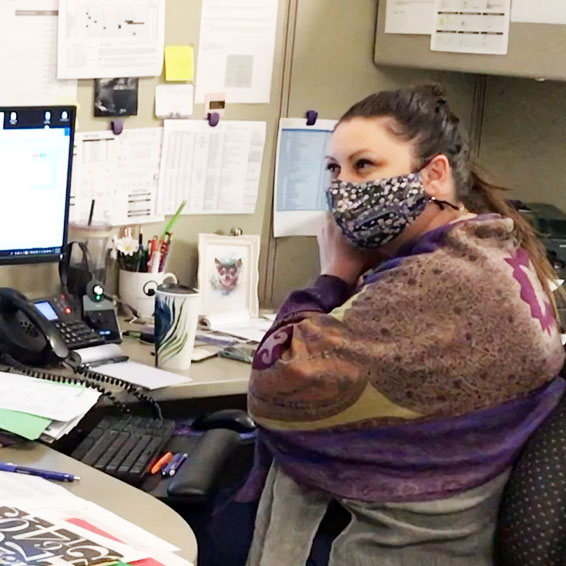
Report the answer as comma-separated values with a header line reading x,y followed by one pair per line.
x,y
36,148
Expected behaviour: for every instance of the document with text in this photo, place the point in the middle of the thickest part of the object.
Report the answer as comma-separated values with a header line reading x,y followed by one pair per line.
x,y
216,170
471,26
301,178
105,39
28,40
236,48
121,173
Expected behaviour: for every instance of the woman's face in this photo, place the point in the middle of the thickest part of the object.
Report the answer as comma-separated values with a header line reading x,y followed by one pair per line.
x,y
364,149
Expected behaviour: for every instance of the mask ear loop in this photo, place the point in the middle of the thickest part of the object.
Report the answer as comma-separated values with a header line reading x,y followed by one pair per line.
x,y
440,203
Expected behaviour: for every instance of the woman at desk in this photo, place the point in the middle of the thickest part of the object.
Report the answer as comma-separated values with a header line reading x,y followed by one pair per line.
x,y
398,390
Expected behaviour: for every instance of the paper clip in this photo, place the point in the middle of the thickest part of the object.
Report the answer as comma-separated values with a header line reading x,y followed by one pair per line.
x,y
311,115
213,119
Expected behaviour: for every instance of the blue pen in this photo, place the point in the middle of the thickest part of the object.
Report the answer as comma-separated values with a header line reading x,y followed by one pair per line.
x,y
175,468
167,467
45,474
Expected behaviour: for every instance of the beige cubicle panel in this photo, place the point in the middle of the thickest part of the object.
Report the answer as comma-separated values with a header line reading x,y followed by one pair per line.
x,y
332,67
323,61
523,138
182,27
535,50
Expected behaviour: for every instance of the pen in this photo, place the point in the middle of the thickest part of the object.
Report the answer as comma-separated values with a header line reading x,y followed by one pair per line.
x,y
164,250
45,474
170,464
173,219
161,462
174,468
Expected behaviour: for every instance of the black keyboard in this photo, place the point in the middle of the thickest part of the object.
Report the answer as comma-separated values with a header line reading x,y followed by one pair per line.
x,y
125,447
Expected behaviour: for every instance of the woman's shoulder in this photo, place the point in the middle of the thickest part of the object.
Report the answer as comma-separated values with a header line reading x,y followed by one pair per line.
x,y
468,250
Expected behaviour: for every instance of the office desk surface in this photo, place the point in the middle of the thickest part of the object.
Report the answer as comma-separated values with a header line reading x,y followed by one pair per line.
x,y
130,503
214,377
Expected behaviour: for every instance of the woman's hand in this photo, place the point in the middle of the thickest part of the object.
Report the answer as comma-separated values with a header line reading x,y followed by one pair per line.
x,y
339,258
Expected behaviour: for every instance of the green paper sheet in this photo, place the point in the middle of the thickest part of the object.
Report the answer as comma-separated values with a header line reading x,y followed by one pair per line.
x,y
24,424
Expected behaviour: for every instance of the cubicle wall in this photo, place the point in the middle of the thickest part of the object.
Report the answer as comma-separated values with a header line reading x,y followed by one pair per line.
x,y
535,50
333,67
324,60
523,139
182,27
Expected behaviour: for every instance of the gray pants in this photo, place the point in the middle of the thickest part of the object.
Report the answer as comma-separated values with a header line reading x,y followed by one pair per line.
x,y
450,532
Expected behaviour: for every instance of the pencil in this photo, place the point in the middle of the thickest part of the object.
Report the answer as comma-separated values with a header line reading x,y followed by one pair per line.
x,y
91,213
173,219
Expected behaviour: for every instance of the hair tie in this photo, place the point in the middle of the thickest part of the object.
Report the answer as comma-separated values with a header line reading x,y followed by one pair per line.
x,y
440,103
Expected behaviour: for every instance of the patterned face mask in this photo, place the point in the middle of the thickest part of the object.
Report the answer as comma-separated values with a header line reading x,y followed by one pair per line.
x,y
373,213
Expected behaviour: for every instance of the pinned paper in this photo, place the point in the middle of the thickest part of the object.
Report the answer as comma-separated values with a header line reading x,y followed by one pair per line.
x,y
179,63
174,101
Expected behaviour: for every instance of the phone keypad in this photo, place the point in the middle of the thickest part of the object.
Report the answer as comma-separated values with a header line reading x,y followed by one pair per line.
x,y
77,334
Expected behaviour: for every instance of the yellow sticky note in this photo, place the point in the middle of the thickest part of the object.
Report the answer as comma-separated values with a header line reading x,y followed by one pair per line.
x,y
179,63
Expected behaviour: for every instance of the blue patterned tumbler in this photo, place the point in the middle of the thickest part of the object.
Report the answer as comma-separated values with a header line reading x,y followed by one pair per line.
x,y
176,315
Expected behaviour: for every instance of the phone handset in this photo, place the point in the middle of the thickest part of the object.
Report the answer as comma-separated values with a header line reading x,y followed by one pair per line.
x,y
25,334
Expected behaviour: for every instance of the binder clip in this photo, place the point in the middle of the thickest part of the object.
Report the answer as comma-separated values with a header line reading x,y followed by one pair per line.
x,y
213,119
117,127
311,115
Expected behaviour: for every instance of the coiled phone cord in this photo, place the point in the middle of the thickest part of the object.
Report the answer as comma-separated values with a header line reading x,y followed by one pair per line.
x,y
15,365
126,385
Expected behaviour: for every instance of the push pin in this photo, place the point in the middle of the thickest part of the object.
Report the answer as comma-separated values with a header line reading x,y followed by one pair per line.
x,y
117,127
311,115
213,119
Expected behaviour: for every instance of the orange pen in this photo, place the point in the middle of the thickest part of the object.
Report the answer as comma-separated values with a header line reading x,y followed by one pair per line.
x,y
165,459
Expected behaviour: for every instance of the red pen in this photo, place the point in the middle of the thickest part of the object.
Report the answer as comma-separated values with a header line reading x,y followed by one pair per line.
x,y
165,459
164,250
151,255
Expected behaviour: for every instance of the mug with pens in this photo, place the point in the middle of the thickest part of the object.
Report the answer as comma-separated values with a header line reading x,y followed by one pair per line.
x,y
142,267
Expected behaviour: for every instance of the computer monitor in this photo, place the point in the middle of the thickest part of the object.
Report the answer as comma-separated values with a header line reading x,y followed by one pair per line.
x,y
36,151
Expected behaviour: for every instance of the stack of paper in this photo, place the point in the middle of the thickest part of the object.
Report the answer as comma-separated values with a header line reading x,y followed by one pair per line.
x,y
55,511
35,408
237,324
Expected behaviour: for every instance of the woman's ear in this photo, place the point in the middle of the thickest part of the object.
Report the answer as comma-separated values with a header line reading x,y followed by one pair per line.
x,y
436,178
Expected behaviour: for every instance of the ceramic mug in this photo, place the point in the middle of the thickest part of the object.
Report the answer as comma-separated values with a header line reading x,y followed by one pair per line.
x,y
176,315
137,289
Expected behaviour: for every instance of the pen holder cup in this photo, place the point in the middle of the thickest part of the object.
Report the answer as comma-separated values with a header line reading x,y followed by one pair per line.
x,y
82,267
176,315
137,289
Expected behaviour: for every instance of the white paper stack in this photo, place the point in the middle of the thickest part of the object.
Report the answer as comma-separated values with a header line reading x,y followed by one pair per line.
x,y
35,408
238,324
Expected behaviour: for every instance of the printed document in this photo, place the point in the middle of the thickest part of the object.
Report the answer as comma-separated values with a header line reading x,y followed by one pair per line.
x,y
236,47
120,173
216,170
105,39
28,67
471,26
409,16
301,178
539,11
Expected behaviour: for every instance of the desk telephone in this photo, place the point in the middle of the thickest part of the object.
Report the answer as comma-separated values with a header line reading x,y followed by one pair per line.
x,y
43,331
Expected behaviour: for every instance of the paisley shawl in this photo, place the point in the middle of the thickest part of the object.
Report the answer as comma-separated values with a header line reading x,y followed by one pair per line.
x,y
423,382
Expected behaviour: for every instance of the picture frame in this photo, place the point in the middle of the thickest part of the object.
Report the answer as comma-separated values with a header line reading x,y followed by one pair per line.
x,y
228,274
